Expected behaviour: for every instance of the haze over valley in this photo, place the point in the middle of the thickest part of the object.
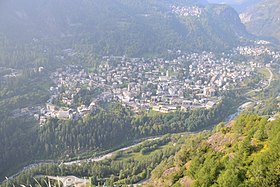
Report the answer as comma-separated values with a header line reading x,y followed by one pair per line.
x,y
142,93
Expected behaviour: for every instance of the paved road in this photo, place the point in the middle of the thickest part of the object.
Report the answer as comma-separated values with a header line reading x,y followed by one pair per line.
x,y
70,181
267,86
270,78
239,110
251,99
107,156
94,159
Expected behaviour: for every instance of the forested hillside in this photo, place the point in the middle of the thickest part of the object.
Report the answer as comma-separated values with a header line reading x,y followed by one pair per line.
x,y
134,28
242,153
107,129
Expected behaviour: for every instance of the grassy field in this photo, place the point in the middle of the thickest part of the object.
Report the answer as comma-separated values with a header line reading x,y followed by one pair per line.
x,y
263,71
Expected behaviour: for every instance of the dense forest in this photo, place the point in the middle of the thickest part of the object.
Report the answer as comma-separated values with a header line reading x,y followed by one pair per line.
x,y
110,127
132,28
242,153
124,167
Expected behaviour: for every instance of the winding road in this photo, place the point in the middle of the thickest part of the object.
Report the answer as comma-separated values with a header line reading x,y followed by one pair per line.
x,y
93,159
270,78
109,155
70,181
251,99
267,86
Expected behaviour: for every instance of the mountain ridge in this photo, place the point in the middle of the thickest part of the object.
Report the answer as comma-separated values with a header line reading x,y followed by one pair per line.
x,y
263,19
123,27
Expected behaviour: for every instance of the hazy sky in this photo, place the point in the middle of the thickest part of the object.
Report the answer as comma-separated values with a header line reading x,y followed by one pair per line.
x,y
228,1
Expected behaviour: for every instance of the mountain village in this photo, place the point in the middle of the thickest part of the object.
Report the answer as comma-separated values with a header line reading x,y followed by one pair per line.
x,y
187,82
190,81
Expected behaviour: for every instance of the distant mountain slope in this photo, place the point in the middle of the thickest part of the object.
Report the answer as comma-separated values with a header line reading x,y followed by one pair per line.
x,y
239,5
124,26
263,18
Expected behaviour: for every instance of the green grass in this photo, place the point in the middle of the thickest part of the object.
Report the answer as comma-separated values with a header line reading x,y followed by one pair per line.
x,y
264,72
129,154
153,113
91,69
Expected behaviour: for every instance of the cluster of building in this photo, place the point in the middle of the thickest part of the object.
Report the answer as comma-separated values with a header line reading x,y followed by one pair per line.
x,y
186,11
220,74
8,72
27,111
258,50
68,83
186,82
